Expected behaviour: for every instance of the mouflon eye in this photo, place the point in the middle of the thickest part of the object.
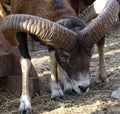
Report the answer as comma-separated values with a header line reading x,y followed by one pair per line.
x,y
65,57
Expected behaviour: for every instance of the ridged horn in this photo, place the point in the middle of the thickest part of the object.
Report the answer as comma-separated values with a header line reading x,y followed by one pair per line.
x,y
88,14
92,11
97,28
49,32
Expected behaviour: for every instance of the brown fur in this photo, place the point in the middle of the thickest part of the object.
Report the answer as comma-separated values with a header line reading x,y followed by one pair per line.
x,y
44,8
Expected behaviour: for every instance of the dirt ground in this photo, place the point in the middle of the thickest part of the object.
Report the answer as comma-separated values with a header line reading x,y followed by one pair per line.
x,y
97,101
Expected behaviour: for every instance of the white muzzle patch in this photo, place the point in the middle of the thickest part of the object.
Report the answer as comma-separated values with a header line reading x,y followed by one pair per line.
x,y
83,81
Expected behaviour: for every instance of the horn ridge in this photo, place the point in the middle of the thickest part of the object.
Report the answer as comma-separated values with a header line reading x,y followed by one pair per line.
x,y
49,32
97,28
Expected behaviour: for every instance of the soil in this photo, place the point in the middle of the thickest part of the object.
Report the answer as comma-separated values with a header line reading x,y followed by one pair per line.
x,y
97,101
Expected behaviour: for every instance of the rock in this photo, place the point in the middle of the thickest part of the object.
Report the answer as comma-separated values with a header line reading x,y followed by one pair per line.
x,y
116,94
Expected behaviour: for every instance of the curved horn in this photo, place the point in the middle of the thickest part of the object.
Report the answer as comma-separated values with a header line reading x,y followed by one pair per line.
x,y
92,11
49,32
96,29
88,14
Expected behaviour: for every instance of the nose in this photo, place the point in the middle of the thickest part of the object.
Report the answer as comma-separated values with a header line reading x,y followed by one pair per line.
x,y
83,88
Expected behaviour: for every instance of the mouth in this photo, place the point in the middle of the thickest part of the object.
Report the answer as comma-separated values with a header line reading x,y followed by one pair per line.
x,y
79,87
79,91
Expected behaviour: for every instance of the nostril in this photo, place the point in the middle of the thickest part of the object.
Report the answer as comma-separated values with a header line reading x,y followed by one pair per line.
x,y
83,88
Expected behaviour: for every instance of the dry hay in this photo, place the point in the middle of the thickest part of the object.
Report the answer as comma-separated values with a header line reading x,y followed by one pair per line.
x,y
98,101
